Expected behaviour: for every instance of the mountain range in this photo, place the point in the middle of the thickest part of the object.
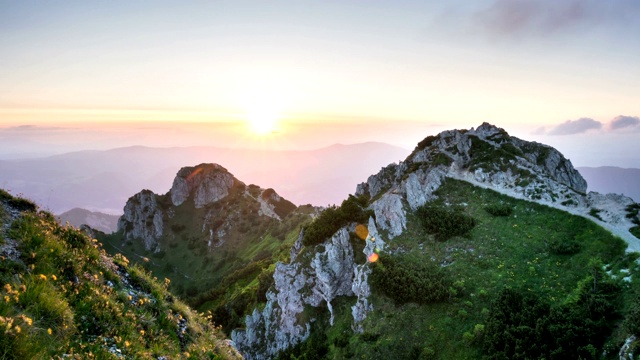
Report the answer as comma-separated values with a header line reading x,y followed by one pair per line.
x,y
477,245
611,179
103,180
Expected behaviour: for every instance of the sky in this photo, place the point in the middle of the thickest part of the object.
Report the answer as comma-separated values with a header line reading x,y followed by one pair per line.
x,y
80,75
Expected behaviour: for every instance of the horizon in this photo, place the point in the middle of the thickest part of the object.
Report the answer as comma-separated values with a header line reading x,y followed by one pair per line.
x,y
301,76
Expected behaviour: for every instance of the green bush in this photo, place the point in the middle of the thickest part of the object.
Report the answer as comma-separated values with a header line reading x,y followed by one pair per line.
x,y
409,280
595,213
499,209
521,325
563,247
444,222
333,218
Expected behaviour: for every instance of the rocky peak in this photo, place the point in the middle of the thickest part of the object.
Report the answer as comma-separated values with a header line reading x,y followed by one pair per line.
x,y
223,203
207,183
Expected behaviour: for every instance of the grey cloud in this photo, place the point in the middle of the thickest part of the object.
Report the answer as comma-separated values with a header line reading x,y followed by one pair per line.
x,y
31,129
571,127
624,122
543,17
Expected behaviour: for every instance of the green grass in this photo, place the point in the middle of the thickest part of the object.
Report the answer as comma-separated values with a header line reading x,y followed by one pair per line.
x,y
499,252
66,296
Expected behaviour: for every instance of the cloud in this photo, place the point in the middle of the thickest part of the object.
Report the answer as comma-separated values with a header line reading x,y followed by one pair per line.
x,y
624,122
31,129
579,126
542,17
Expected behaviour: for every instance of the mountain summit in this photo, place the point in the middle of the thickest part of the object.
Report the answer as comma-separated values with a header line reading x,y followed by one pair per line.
x,y
203,188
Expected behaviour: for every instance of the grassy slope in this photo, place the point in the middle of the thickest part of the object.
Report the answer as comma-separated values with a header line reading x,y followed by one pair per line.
x,y
64,295
499,252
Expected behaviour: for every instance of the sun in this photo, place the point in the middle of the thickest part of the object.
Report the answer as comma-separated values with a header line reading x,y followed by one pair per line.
x,y
262,120
263,103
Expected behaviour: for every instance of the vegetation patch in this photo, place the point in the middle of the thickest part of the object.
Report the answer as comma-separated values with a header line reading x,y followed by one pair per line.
x,y
499,209
499,253
445,222
64,297
410,280
520,325
17,203
596,213
423,144
333,218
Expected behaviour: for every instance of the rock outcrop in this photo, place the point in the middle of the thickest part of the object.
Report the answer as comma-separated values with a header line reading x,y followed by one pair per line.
x,y
314,279
142,219
207,183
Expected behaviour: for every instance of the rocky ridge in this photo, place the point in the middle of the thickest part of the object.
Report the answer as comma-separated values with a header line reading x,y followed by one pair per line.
x,y
486,157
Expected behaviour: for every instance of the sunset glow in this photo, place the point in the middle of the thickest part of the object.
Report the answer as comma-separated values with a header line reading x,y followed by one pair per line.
x,y
293,76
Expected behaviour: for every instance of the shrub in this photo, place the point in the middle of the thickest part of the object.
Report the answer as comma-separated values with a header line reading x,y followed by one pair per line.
x,y
333,218
499,209
595,213
444,222
405,280
566,247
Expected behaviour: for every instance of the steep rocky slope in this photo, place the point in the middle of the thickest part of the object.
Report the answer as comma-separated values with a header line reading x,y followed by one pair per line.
x,y
319,275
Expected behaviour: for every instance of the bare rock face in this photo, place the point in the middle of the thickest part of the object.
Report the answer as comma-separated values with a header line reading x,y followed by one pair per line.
x,y
390,214
207,182
333,270
360,285
142,219
276,328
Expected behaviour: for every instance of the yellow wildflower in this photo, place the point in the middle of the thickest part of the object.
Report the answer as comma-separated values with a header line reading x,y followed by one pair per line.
x,y
126,344
142,332
7,288
49,331
7,299
42,277
17,329
54,277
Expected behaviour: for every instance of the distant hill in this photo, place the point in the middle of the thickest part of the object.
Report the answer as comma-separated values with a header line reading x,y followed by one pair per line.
x,y
104,180
96,220
611,179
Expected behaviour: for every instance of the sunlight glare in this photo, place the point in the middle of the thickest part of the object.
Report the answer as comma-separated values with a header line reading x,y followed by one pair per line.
x,y
263,105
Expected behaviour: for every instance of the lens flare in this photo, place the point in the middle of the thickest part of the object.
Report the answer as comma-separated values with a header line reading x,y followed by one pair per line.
x,y
362,232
